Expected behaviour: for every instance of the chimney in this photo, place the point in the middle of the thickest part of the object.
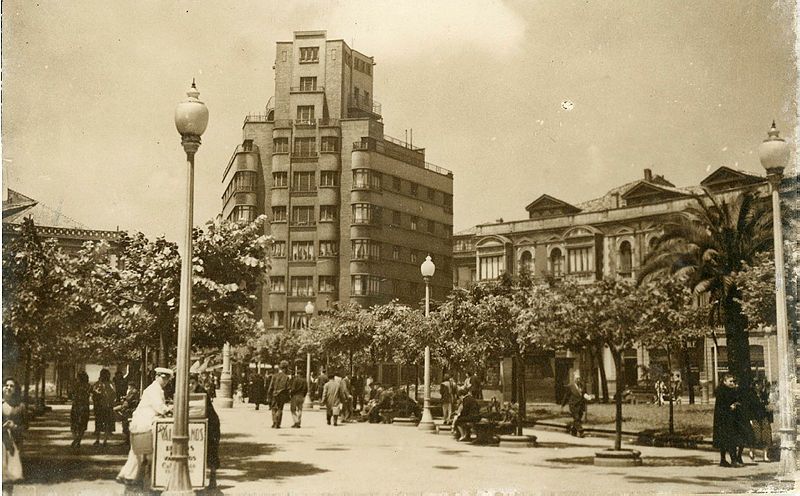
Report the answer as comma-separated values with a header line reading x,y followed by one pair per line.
x,y
648,175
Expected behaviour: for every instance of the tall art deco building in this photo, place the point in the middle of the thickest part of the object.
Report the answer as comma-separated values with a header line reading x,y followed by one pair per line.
x,y
353,212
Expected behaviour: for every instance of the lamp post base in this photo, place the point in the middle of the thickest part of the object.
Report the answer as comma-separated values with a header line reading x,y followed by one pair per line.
x,y
426,423
787,465
307,403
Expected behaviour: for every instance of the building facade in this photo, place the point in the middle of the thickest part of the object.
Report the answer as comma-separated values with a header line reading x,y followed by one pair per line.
x,y
353,212
608,236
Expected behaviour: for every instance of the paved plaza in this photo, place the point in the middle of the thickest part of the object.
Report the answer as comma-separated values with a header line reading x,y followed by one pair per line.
x,y
374,458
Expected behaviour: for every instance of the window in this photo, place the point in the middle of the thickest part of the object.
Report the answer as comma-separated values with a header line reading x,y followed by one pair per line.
x,y
242,181
298,320
363,285
395,253
309,55
328,178
328,248
280,145
302,250
327,284
365,213
580,260
625,259
491,267
305,147
330,144
431,226
279,249
277,284
276,319
327,213
278,214
243,213
413,223
308,84
303,216
302,285
396,218
414,187
396,183
431,194
304,181
556,262
279,179
366,179
526,262
305,114
414,256
364,249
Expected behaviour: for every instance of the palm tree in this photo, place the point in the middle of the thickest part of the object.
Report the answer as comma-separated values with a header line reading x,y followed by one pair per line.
x,y
705,248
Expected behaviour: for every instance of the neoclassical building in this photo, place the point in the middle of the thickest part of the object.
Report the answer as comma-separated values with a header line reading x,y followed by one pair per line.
x,y
609,236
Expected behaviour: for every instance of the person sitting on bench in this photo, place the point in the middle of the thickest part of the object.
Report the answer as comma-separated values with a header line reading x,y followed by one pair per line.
x,y
470,413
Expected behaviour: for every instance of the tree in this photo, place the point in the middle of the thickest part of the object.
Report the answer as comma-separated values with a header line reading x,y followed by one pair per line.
x,y
345,332
706,247
672,318
756,283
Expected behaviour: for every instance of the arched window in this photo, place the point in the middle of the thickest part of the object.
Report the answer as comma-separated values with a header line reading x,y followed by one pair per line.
x,y
556,262
625,259
526,262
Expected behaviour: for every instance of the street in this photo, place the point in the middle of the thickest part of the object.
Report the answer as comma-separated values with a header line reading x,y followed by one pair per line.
x,y
376,458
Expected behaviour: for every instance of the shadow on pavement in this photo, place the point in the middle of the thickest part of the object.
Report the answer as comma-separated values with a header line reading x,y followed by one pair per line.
x,y
445,467
563,445
247,461
647,461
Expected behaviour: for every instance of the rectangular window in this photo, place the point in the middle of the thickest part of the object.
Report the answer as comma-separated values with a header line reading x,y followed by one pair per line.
x,y
330,144
328,248
305,114
328,178
279,179
365,249
243,213
431,226
395,253
414,188
279,249
302,286
276,319
364,213
305,147
327,284
308,84
243,181
397,218
278,214
277,284
414,256
413,223
302,250
580,260
364,285
327,213
490,267
366,179
309,55
431,194
304,181
303,216
280,145
298,320
396,183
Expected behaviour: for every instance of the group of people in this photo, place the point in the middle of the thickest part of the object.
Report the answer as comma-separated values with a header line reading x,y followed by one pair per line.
x,y
664,392
742,419
113,400
274,390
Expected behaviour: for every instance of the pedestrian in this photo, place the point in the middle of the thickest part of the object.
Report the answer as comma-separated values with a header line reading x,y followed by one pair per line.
x,y
358,391
79,412
760,412
576,398
214,431
322,379
332,399
120,384
14,424
347,399
447,394
476,386
298,387
152,405
104,398
256,389
125,409
727,432
660,388
468,414
279,393
208,382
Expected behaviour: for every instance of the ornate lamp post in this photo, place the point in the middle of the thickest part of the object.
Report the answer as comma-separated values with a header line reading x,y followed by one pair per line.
x,y
426,422
307,405
191,119
774,155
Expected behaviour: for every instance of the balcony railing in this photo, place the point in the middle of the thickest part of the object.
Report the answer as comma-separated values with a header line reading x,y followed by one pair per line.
x,y
305,154
361,103
306,89
402,143
257,118
305,122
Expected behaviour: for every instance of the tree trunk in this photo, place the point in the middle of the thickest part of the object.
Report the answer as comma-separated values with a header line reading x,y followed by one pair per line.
x,y
44,383
26,391
514,386
671,394
597,356
522,399
737,342
162,349
687,366
619,368
350,357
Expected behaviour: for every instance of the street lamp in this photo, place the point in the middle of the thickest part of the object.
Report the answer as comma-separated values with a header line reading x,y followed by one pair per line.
x,y
426,422
307,405
774,155
191,119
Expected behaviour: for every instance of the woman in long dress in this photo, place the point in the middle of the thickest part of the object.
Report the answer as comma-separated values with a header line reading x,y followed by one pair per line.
x,y
14,424
79,413
104,397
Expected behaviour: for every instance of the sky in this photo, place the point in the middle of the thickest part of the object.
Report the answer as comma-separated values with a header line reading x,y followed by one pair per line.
x,y
519,98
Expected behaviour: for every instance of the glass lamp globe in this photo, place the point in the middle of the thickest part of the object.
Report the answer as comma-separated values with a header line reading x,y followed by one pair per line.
x,y
191,115
774,152
427,268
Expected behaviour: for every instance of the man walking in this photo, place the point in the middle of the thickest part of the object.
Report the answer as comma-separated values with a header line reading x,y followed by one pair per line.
x,y
347,398
297,389
332,399
576,399
447,394
279,393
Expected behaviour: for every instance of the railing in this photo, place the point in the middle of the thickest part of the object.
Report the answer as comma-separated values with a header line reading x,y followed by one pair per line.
x,y
372,106
398,142
301,89
304,153
256,118
305,122
364,144
438,170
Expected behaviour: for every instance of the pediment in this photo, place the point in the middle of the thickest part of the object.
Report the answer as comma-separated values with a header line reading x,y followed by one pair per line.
x,y
548,206
644,190
727,178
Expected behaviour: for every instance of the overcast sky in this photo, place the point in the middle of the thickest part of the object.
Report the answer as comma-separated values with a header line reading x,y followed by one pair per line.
x,y
681,87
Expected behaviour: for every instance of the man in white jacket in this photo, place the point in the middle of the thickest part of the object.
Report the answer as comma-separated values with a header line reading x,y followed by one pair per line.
x,y
151,405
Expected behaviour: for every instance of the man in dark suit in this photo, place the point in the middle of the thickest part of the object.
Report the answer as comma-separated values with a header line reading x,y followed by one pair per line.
x,y
279,394
298,387
469,413
576,399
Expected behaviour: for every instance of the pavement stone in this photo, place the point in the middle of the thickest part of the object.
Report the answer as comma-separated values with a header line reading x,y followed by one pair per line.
x,y
359,458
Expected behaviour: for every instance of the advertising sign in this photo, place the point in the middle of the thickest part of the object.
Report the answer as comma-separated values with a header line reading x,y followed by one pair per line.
x,y
162,449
